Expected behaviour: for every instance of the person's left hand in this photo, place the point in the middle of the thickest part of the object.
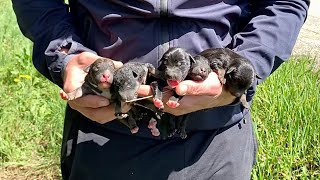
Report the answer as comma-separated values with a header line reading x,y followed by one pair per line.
x,y
197,95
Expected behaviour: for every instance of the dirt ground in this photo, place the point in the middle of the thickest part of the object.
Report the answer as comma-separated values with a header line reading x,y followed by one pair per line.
x,y
28,173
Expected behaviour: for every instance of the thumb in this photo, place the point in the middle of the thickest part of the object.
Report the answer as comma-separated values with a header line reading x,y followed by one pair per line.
x,y
209,87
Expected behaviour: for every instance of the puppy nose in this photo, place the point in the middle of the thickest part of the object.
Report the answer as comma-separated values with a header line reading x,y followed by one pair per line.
x,y
203,70
106,76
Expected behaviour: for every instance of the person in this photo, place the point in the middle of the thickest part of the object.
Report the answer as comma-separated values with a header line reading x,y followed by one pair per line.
x,y
220,142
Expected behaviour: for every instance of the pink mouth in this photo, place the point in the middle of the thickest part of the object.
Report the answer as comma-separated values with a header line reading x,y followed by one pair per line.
x,y
173,83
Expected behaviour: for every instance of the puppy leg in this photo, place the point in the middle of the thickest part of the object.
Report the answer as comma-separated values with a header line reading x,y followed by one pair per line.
x,y
244,102
216,67
157,88
173,101
221,74
132,122
118,111
154,72
172,126
181,127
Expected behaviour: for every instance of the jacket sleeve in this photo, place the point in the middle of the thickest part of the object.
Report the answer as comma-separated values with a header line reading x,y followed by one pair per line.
x,y
48,24
269,37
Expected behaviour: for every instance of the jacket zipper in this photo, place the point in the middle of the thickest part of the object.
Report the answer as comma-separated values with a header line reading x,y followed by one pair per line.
x,y
164,36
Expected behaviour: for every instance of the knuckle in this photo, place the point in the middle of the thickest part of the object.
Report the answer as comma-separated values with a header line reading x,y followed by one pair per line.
x,y
85,58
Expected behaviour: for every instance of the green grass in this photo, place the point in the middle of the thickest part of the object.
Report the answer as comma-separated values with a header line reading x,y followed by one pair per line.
x,y
31,113
286,112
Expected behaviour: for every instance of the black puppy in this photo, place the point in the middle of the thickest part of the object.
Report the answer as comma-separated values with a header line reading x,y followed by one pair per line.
x,y
97,81
126,83
175,66
235,71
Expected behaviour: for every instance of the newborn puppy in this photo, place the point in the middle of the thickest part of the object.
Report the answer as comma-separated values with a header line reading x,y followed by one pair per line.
x,y
234,71
200,69
175,66
97,81
126,83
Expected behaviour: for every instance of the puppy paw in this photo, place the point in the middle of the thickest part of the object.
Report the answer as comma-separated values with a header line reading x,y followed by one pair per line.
x,y
183,135
173,104
158,103
152,124
134,130
155,132
121,115
172,133
63,95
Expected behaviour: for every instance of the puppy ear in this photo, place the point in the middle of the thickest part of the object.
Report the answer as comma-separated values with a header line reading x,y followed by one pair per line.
x,y
135,75
258,77
230,70
87,69
192,60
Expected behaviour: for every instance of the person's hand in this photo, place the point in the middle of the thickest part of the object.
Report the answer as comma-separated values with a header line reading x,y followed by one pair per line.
x,y
94,107
197,95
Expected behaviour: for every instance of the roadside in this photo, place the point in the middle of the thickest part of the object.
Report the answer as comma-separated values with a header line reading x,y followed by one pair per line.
x,y
308,43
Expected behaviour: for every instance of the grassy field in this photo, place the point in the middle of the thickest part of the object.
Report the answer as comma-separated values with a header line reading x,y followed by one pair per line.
x,y
286,113
31,112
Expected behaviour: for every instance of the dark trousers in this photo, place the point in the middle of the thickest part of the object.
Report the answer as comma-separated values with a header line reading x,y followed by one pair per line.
x,y
91,152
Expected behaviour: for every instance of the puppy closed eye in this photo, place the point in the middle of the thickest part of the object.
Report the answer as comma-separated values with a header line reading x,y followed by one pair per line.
x,y
180,63
95,69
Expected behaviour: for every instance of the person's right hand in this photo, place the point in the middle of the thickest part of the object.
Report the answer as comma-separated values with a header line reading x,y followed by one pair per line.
x,y
94,107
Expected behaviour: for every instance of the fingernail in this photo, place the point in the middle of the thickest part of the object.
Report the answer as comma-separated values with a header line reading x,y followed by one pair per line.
x,y
103,103
183,90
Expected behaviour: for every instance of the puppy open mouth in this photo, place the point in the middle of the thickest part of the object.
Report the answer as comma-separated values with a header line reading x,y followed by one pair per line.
x,y
173,83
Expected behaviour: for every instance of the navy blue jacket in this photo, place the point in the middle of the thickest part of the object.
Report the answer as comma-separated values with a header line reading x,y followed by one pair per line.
x,y
263,31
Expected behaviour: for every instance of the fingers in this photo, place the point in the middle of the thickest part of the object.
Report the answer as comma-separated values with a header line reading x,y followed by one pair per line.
x,y
94,107
84,59
91,101
211,86
145,90
100,115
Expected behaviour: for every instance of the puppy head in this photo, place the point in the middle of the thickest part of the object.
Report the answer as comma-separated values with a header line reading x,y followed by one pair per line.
x,y
176,63
100,73
239,79
200,69
126,83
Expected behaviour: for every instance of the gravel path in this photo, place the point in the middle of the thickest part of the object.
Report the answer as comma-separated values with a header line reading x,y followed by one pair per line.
x,y
308,42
